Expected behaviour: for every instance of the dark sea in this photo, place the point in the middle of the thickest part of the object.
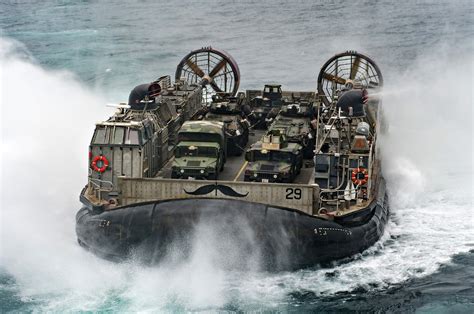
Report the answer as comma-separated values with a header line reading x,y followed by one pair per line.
x,y
61,62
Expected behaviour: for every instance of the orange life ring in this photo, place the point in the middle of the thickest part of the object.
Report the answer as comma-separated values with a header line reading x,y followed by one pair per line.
x,y
105,163
360,176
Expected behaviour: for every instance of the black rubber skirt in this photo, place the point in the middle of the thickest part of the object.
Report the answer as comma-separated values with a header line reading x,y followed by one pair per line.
x,y
234,233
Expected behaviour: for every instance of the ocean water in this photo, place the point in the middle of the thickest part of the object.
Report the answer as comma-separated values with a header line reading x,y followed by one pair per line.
x,y
62,61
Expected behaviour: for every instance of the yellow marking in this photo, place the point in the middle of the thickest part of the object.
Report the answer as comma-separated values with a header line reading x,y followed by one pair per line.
x,y
240,171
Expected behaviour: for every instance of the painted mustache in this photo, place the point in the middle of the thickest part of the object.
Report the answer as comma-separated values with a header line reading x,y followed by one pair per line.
x,y
226,190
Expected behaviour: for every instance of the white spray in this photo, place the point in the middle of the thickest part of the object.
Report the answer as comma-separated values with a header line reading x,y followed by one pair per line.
x,y
47,119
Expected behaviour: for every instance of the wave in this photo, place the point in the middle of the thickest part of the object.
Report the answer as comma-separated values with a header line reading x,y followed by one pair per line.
x,y
48,116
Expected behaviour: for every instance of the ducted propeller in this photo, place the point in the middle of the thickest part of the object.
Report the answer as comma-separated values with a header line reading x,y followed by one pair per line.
x,y
215,69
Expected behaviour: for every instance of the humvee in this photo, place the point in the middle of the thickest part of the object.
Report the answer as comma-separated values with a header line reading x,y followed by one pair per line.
x,y
273,159
201,151
230,111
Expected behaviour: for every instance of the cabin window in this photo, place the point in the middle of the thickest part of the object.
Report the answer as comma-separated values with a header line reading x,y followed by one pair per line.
x,y
149,131
118,135
144,136
101,136
132,137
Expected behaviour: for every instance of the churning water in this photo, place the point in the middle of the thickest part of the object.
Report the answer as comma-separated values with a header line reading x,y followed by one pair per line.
x,y
61,61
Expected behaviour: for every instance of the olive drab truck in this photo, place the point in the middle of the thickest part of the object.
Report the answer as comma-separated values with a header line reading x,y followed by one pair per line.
x,y
231,112
201,151
273,159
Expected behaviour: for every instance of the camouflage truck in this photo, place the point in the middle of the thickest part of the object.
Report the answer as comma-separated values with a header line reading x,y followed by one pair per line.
x,y
265,105
294,120
273,159
201,151
231,112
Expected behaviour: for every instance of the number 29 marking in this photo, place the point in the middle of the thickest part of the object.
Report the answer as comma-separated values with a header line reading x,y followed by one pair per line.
x,y
293,193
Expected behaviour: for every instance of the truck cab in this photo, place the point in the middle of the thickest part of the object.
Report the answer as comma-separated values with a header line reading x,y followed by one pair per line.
x,y
201,151
273,159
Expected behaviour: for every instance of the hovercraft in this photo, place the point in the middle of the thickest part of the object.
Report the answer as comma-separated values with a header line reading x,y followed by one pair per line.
x,y
306,184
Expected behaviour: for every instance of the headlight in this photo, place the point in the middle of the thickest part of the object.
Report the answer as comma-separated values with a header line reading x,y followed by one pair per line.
x,y
182,171
202,171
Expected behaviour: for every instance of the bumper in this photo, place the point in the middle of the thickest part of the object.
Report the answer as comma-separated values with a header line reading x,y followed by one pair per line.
x,y
267,177
194,174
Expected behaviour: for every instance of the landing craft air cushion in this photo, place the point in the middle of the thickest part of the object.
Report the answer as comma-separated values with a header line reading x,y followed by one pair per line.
x,y
146,191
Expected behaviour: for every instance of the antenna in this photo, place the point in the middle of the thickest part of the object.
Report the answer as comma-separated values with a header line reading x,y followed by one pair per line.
x,y
121,105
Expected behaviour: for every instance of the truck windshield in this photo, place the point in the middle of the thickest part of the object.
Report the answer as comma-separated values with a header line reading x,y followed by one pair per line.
x,y
272,156
282,156
258,155
201,151
200,137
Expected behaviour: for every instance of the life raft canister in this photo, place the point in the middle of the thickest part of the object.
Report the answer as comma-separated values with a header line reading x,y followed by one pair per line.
x,y
360,176
104,163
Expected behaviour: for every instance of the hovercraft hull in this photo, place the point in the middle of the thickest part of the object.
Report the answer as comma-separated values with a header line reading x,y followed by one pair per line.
x,y
283,238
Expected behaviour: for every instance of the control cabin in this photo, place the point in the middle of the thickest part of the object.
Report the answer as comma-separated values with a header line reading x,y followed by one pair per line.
x,y
140,137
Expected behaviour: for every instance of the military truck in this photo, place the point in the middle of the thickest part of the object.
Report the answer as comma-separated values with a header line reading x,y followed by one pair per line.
x,y
265,106
201,151
273,159
230,111
294,120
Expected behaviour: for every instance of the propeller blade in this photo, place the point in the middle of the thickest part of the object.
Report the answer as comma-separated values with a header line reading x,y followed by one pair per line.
x,y
195,68
355,67
215,87
333,78
217,68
